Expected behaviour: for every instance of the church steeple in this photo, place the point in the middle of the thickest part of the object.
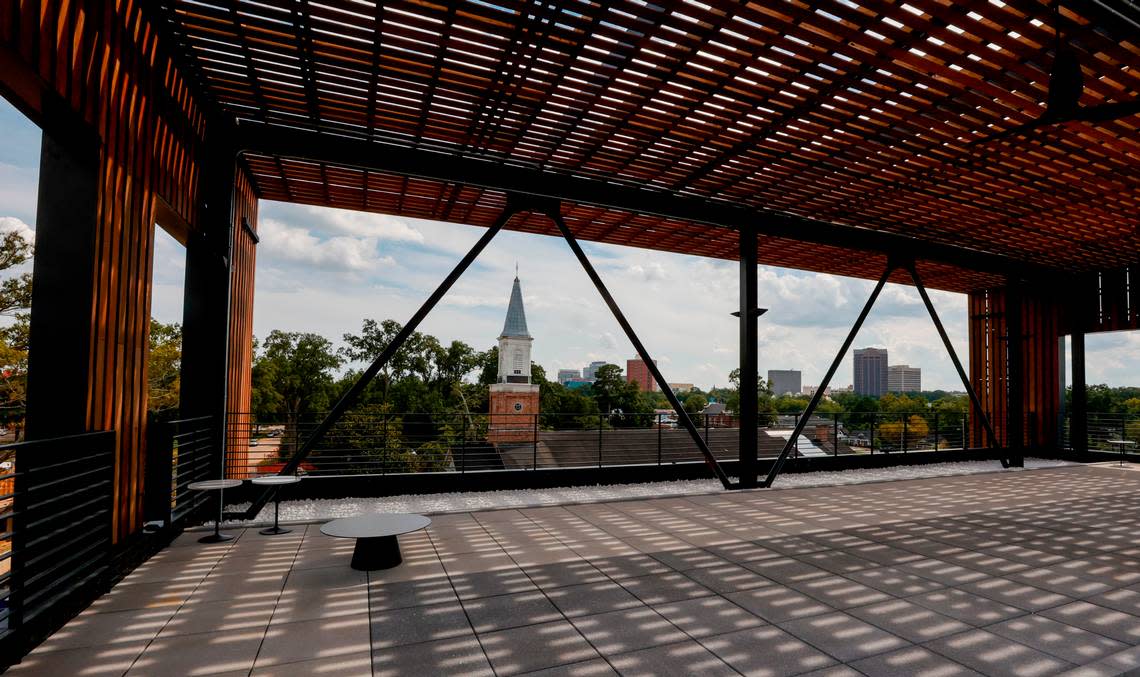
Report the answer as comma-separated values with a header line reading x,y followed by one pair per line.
x,y
515,324
515,341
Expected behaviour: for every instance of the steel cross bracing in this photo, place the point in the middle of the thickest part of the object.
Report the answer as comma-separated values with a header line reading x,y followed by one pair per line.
x,y
892,265
515,205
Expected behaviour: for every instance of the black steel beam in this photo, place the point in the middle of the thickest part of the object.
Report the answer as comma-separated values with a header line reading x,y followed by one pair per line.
x,y
276,140
957,363
748,362
553,212
778,465
350,397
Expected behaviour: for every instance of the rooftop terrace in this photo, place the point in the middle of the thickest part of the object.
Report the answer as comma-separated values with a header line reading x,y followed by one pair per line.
x,y
1033,572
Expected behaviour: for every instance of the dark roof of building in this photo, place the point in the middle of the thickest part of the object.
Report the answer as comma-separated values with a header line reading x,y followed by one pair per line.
x,y
515,324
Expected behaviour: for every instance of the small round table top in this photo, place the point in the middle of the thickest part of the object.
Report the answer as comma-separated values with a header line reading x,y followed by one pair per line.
x,y
273,480
214,485
375,526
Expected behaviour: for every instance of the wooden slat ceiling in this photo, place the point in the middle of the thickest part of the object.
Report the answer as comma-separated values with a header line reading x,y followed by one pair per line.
x,y
871,114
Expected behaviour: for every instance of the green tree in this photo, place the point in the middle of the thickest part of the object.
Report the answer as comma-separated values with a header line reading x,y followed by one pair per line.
x,y
891,433
372,340
164,366
293,378
566,409
695,403
15,300
613,393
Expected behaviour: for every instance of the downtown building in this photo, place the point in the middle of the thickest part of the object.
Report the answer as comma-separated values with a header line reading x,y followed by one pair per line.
x,y
870,372
636,371
903,378
785,381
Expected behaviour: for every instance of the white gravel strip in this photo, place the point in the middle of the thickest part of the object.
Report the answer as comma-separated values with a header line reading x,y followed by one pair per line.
x,y
314,510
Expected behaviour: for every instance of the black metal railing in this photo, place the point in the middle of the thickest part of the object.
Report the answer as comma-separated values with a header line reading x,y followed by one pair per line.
x,y
58,519
381,442
1105,430
178,452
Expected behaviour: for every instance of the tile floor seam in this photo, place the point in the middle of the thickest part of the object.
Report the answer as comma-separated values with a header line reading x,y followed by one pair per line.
x,y
181,604
690,637
459,600
269,624
928,647
565,618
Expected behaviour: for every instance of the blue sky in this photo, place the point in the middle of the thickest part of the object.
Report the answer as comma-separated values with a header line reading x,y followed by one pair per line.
x,y
325,270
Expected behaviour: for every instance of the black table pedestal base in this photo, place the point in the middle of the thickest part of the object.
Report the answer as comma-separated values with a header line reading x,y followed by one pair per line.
x,y
274,531
371,554
216,538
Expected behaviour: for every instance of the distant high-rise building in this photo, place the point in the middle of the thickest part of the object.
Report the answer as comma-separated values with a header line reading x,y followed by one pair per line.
x,y
636,371
591,372
903,378
785,381
565,375
871,372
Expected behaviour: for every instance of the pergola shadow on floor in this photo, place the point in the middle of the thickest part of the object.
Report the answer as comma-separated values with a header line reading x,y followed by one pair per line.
x,y
1014,573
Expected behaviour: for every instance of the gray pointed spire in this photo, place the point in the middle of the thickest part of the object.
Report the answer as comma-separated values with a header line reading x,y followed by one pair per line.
x,y
516,316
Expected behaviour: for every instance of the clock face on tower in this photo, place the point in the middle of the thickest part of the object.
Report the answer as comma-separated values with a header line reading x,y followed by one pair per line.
x,y
518,406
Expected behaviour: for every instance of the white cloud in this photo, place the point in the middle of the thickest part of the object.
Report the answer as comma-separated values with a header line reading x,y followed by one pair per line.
x,y
362,224
11,223
300,245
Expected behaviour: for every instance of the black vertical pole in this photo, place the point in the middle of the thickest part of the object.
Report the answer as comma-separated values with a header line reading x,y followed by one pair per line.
x,y
682,415
599,439
1079,427
659,426
1015,375
818,395
535,442
749,378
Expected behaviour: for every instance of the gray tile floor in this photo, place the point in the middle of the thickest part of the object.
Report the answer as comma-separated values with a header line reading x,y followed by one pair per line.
x,y
1017,573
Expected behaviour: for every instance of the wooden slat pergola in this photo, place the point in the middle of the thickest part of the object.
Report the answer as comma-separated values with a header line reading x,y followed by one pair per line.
x,y
842,133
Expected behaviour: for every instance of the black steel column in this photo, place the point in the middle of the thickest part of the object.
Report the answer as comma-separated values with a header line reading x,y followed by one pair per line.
x,y
1015,376
63,275
748,347
206,300
1079,425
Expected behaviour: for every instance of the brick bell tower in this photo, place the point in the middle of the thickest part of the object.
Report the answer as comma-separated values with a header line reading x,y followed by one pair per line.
x,y
514,399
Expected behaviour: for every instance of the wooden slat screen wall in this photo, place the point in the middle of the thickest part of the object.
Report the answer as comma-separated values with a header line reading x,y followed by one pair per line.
x,y
104,59
240,360
874,114
1043,323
